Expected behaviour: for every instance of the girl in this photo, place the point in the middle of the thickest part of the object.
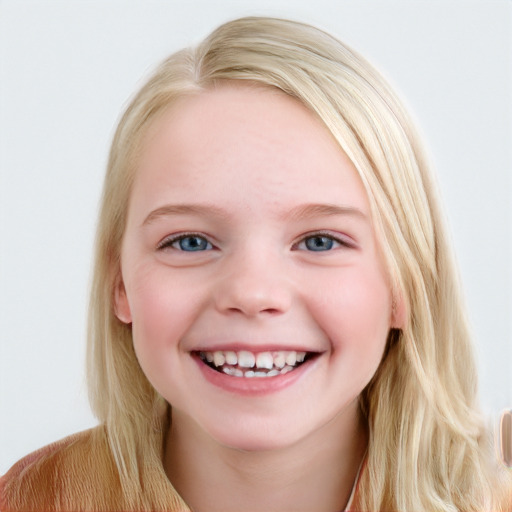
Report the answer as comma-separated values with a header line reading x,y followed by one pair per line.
x,y
275,320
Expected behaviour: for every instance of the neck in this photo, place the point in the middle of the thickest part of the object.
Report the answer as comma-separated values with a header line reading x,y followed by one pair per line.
x,y
317,473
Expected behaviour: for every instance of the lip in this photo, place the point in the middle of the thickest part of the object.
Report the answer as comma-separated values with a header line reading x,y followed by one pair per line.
x,y
255,348
254,386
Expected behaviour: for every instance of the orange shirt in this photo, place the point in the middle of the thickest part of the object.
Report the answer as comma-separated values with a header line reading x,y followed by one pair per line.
x,y
79,473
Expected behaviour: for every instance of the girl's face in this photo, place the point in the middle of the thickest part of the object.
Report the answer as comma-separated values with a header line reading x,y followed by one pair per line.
x,y
250,270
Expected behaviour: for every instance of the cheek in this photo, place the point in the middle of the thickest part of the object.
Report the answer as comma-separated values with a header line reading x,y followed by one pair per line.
x,y
162,311
355,314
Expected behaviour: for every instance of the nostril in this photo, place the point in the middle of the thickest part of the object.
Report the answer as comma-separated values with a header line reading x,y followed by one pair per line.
x,y
274,311
255,311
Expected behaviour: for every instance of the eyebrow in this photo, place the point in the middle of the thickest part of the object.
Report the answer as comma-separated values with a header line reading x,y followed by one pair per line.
x,y
324,210
298,213
185,209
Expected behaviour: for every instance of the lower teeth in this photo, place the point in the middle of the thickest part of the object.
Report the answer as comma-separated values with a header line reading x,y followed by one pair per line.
x,y
236,372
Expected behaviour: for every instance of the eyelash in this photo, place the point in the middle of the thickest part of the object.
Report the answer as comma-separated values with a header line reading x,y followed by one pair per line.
x,y
169,241
323,234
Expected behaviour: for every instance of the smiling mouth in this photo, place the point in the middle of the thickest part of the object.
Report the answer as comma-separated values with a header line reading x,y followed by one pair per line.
x,y
248,364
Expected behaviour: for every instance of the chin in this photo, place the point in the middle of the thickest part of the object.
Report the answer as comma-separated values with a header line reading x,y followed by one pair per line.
x,y
261,439
257,444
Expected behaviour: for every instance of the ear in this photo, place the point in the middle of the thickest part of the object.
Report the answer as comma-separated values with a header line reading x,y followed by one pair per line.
x,y
121,305
398,312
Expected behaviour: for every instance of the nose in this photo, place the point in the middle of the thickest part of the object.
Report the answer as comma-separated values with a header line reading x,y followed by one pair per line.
x,y
253,286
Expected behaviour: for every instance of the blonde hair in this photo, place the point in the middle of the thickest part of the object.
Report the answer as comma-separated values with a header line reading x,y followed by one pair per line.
x,y
428,446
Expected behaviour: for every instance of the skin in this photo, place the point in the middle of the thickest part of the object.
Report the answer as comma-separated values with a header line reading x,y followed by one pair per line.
x,y
248,163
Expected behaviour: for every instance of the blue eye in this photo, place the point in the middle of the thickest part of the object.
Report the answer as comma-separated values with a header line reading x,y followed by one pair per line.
x,y
187,243
319,243
194,243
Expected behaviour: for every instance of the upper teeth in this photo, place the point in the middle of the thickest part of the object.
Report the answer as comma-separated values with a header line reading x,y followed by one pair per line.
x,y
245,359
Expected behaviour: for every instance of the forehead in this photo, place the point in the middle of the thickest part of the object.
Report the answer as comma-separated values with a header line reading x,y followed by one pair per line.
x,y
247,140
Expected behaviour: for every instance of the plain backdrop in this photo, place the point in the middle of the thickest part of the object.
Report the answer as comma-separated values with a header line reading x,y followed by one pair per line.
x,y
67,69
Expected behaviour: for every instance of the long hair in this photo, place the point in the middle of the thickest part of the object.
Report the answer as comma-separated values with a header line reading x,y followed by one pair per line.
x,y
428,445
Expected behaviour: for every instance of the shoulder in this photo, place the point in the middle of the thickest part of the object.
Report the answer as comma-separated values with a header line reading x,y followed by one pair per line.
x,y
66,475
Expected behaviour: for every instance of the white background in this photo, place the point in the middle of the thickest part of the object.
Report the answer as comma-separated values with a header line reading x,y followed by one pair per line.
x,y
67,68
